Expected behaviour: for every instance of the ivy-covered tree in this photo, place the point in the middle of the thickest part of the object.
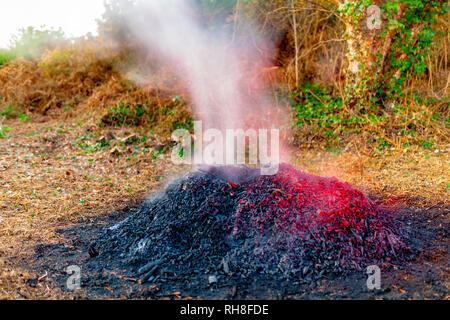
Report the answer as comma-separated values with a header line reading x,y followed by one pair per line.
x,y
387,43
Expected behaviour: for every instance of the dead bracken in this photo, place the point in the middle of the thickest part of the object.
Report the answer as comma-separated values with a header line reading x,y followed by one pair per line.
x,y
289,225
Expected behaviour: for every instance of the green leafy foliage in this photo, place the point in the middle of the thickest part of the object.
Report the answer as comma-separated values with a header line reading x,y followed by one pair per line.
x,y
125,115
6,56
7,112
23,117
324,117
407,32
30,42
187,124
316,106
4,131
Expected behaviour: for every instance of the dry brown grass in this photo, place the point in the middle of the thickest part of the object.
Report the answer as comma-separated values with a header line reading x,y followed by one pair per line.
x,y
47,180
62,78
44,189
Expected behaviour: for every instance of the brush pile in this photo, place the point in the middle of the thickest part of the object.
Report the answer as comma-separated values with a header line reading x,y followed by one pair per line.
x,y
63,77
233,221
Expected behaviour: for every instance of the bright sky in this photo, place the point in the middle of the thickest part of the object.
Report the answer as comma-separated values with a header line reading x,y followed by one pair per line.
x,y
75,17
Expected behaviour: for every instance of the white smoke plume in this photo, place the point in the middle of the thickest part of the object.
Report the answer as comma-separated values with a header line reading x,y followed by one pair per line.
x,y
221,70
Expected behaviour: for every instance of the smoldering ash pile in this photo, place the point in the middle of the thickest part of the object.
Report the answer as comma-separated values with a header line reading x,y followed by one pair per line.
x,y
289,225
232,220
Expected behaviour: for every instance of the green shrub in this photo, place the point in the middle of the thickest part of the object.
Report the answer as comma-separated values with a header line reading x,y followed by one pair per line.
x,y
7,112
31,43
6,55
315,106
23,117
326,116
4,131
125,115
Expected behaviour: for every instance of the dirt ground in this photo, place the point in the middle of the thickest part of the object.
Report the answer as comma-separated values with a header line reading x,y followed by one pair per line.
x,y
61,184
